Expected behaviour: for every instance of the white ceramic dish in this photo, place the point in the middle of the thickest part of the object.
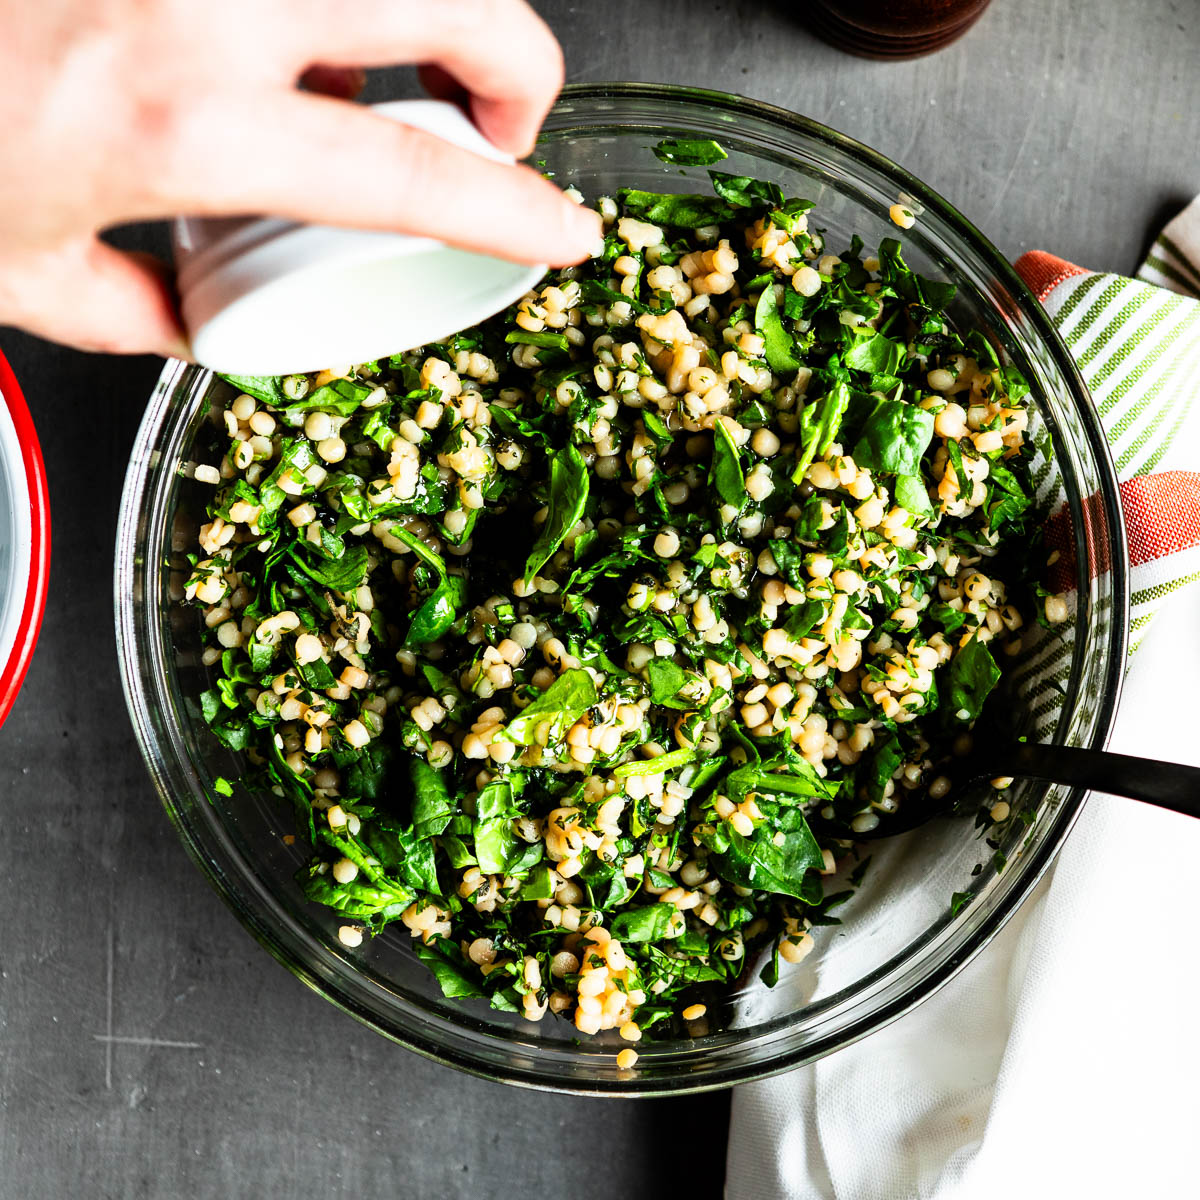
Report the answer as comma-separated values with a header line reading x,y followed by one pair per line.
x,y
261,296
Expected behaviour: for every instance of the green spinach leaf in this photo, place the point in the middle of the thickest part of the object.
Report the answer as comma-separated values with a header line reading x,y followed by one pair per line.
x,y
877,355
1012,384
819,425
973,674
778,344
547,340
449,967
264,388
646,924
671,208
742,191
787,215
338,574
569,485
666,678
796,780
432,807
562,704
340,396
725,471
689,152
658,765
784,866
911,494
894,438
886,756
438,612
496,845
907,283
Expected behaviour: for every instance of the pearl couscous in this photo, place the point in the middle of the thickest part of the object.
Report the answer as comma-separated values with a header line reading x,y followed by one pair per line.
x,y
558,632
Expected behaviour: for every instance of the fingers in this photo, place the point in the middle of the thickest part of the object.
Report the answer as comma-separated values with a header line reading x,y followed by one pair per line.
x,y
338,164
87,294
500,51
441,85
342,83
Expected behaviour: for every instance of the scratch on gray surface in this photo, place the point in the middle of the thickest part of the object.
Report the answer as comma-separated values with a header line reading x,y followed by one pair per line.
x,y
108,1015
1001,192
110,1040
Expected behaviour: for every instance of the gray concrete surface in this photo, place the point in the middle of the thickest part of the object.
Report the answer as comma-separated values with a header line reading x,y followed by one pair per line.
x,y
148,1047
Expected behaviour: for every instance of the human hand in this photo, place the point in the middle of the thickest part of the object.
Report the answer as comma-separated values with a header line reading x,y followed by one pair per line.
x,y
131,110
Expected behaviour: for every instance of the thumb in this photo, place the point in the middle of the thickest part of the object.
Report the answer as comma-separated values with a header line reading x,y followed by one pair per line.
x,y
87,294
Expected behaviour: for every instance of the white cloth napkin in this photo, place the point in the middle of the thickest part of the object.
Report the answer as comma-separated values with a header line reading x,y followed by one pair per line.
x,y
1065,1060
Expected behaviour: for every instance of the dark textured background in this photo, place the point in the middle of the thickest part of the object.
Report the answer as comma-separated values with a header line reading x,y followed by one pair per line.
x,y
148,1047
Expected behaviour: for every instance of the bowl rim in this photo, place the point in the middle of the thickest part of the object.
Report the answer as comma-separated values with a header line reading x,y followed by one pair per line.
x,y
33,605
1036,862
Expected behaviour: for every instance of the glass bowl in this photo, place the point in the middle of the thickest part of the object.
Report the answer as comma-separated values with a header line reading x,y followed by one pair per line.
x,y
899,941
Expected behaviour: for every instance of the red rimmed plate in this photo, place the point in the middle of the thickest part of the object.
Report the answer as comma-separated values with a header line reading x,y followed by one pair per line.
x,y
24,538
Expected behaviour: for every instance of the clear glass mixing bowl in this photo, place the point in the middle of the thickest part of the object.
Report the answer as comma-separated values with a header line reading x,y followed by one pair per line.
x,y
898,942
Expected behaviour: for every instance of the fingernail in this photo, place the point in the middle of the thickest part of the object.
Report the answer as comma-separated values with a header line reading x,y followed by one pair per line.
x,y
580,234
591,230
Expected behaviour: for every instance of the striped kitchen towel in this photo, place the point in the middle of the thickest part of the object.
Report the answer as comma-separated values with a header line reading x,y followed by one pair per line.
x,y
1137,345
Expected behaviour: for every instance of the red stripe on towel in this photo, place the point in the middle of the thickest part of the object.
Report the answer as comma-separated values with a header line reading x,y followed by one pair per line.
x,y
1044,272
1162,514
1162,517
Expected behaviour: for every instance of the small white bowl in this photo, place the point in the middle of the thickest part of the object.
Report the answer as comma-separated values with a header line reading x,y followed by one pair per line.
x,y
262,296
24,538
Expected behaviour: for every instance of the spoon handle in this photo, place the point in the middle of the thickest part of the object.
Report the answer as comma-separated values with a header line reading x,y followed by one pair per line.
x,y
1167,785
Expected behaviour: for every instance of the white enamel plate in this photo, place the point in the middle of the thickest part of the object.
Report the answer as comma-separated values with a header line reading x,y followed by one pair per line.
x,y
24,538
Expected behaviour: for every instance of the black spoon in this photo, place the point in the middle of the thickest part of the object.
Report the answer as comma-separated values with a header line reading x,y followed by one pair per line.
x,y
1166,785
